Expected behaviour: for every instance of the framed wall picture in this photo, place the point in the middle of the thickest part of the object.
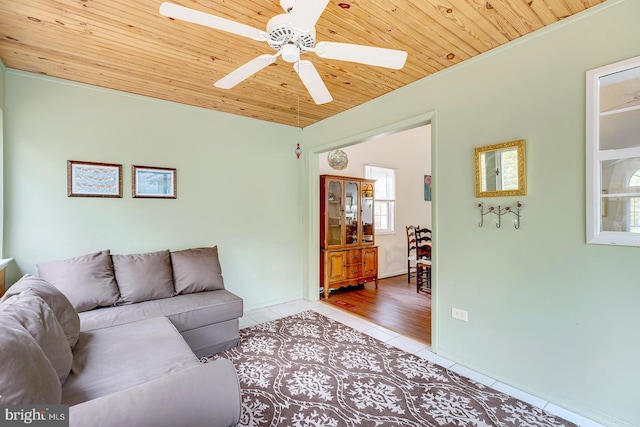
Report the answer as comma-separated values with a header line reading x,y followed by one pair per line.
x,y
153,182
427,188
90,179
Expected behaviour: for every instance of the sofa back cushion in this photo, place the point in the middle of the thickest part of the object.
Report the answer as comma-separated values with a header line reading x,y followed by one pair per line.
x,y
65,313
27,376
143,277
88,281
35,316
196,270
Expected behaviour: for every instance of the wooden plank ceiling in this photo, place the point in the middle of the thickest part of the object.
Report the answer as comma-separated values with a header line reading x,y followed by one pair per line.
x,y
127,45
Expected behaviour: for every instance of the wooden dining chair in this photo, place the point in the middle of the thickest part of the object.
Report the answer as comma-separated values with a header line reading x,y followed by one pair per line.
x,y
423,261
412,251
423,275
423,242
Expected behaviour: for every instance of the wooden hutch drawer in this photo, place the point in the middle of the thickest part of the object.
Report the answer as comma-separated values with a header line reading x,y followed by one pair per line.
x,y
354,256
354,271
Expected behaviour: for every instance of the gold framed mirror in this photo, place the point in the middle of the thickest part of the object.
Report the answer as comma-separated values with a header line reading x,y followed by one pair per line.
x,y
501,169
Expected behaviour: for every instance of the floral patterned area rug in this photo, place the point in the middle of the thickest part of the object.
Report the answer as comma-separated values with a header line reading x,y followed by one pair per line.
x,y
307,370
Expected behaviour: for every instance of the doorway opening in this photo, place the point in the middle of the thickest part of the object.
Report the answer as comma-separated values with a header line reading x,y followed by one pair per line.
x,y
396,304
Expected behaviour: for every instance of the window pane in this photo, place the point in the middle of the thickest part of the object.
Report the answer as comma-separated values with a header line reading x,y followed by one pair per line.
x,y
621,199
620,130
392,216
621,214
634,181
381,215
385,194
634,214
382,188
620,90
620,109
616,175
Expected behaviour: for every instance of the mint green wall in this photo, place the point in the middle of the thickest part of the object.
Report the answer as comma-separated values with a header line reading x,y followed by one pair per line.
x,y
547,312
238,183
3,72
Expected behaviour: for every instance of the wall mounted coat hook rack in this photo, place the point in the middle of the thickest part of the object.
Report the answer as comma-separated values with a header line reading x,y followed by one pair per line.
x,y
500,211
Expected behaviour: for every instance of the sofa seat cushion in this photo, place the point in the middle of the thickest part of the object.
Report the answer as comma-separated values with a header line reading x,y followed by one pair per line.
x,y
112,359
186,312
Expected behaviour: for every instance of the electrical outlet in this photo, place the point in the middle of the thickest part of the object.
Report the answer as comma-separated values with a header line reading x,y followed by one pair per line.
x,y
456,313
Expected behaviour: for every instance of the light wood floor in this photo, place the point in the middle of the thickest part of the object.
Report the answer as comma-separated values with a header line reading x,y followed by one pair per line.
x,y
394,305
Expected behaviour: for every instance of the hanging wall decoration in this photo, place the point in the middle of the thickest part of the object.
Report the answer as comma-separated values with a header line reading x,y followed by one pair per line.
x,y
338,159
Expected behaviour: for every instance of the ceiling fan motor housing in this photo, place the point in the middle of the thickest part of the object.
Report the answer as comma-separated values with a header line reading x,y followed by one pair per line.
x,y
282,33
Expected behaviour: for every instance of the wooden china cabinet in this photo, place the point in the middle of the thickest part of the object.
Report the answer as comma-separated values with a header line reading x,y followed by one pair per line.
x,y
348,255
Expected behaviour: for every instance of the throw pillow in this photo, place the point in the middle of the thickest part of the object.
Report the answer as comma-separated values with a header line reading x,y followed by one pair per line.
x,y
64,311
35,316
86,280
196,270
27,376
143,277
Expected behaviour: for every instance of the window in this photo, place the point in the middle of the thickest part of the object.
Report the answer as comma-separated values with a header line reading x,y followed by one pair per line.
x,y
613,154
634,203
385,197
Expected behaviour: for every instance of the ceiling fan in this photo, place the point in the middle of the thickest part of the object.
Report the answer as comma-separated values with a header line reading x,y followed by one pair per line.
x,y
290,34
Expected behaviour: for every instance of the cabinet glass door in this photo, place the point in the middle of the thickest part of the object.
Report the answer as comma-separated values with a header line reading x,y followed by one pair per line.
x,y
334,213
351,212
366,203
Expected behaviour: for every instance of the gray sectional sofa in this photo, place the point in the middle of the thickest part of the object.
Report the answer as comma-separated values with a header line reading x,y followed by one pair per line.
x,y
118,338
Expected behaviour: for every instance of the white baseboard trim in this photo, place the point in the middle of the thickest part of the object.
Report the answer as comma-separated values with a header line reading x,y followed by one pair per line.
x,y
387,275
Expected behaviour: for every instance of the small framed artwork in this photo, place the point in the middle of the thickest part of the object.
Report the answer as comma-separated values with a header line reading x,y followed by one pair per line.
x,y
90,179
152,182
427,188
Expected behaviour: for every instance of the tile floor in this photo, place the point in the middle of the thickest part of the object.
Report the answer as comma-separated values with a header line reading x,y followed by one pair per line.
x,y
409,345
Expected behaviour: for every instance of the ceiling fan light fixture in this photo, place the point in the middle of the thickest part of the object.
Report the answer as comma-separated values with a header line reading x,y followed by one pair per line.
x,y
290,53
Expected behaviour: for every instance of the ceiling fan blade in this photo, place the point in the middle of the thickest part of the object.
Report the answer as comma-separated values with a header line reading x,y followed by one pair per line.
x,y
245,71
370,55
305,13
182,13
312,81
